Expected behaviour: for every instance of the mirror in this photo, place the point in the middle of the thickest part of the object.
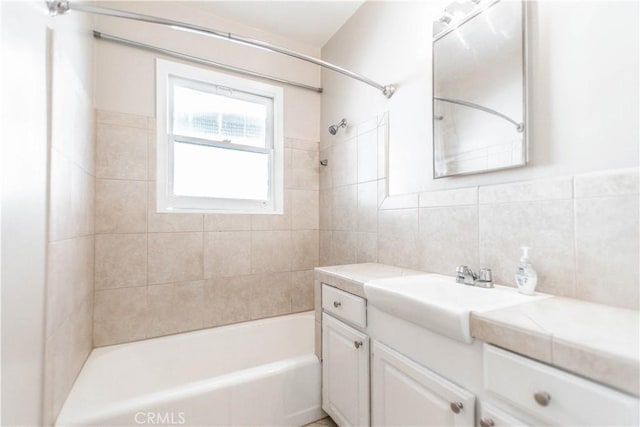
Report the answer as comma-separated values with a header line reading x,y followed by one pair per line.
x,y
479,105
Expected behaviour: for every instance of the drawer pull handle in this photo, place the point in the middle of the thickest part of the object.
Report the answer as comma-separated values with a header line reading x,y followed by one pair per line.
x,y
542,398
486,422
357,344
337,304
456,407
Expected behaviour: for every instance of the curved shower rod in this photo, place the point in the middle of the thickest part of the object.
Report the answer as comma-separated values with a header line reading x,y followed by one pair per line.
x,y
61,7
519,126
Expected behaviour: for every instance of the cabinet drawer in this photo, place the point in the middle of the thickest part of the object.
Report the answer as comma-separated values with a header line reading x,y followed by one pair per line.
x,y
550,394
344,305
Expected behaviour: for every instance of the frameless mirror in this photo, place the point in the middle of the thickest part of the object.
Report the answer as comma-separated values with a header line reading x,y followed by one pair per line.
x,y
479,105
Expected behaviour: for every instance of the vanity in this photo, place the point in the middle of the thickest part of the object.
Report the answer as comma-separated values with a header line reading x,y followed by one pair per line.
x,y
404,347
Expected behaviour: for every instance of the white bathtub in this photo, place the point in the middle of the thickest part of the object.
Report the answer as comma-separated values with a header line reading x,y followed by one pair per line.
x,y
257,373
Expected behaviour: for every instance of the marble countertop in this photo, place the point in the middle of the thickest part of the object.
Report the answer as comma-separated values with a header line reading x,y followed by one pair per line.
x,y
593,340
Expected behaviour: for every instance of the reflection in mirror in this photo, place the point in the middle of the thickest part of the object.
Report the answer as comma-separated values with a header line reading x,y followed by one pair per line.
x,y
479,88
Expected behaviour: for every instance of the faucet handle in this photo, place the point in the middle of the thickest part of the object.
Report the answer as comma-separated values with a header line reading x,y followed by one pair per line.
x,y
485,278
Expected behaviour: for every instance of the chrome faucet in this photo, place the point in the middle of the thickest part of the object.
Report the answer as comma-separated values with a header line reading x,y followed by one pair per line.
x,y
466,276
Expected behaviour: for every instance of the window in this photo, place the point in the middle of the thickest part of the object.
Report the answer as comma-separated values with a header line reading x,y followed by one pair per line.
x,y
219,142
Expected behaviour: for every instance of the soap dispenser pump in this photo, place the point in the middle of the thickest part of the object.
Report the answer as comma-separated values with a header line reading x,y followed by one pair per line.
x,y
526,276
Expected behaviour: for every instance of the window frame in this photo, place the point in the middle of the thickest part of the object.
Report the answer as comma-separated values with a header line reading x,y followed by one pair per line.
x,y
167,74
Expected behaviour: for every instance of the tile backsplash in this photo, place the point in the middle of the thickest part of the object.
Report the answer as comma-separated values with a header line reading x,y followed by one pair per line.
x,y
158,273
582,230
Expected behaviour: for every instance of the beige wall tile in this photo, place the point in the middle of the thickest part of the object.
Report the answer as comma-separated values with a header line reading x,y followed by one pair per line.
x,y
325,247
270,294
607,253
82,202
169,222
344,245
344,207
326,209
122,119
271,251
301,144
273,221
226,300
227,253
304,249
69,279
457,197
397,201
60,283
151,156
121,206
546,227
398,237
367,216
66,352
301,179
302,291
344,161
60,207
227,222
121,152
448,238
368,156
305,159
121,260
383,150
326,172
120,315
619,182
304,209
175,257
175,307
367,250
527,191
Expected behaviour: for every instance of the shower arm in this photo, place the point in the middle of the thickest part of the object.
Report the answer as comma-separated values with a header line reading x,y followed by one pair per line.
x,y
62,7
519,126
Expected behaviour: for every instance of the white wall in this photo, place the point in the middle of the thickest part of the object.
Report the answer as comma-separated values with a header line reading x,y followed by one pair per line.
x,y
583,80
47,86
125,76
24,197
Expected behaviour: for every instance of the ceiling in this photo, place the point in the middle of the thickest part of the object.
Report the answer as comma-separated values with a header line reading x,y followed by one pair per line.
x,y
309,22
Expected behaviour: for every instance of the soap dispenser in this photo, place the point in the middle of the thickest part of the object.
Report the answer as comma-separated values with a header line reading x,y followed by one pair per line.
x,y
526,276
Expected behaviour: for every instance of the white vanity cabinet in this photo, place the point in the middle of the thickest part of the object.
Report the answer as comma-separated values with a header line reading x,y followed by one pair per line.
x,y
552,395
345,373
404,393
490,416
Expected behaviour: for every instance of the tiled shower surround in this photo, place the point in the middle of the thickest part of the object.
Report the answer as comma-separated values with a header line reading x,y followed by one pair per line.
x,y
582,230
158,274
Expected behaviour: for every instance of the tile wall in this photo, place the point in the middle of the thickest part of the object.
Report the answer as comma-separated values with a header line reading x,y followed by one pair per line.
x,y
70,245
159,274
583,229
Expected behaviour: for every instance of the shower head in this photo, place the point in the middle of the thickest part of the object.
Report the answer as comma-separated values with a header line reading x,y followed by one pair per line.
x,y
333,129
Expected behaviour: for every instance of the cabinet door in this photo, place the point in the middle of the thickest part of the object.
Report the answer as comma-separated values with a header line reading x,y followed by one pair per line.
x,y
345,373
406,394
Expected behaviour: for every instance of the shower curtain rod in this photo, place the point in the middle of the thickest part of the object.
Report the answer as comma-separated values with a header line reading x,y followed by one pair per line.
x,y
60,7
519,126
127,42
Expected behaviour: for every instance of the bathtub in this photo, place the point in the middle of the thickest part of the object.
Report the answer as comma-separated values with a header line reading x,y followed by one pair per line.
x,y
258,373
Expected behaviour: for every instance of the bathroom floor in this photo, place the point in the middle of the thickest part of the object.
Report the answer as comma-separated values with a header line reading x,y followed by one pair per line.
x,y
324,422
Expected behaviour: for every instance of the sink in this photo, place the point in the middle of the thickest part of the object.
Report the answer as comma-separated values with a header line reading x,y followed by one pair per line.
x,y
438,303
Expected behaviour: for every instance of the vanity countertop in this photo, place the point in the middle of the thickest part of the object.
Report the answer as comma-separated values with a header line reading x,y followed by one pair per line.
x,y
352,277
593,340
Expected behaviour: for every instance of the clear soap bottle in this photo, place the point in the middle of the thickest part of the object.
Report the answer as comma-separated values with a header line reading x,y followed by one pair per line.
x,y
526,276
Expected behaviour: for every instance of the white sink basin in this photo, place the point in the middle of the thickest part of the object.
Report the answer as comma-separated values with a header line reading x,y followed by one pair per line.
x,y
438,303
